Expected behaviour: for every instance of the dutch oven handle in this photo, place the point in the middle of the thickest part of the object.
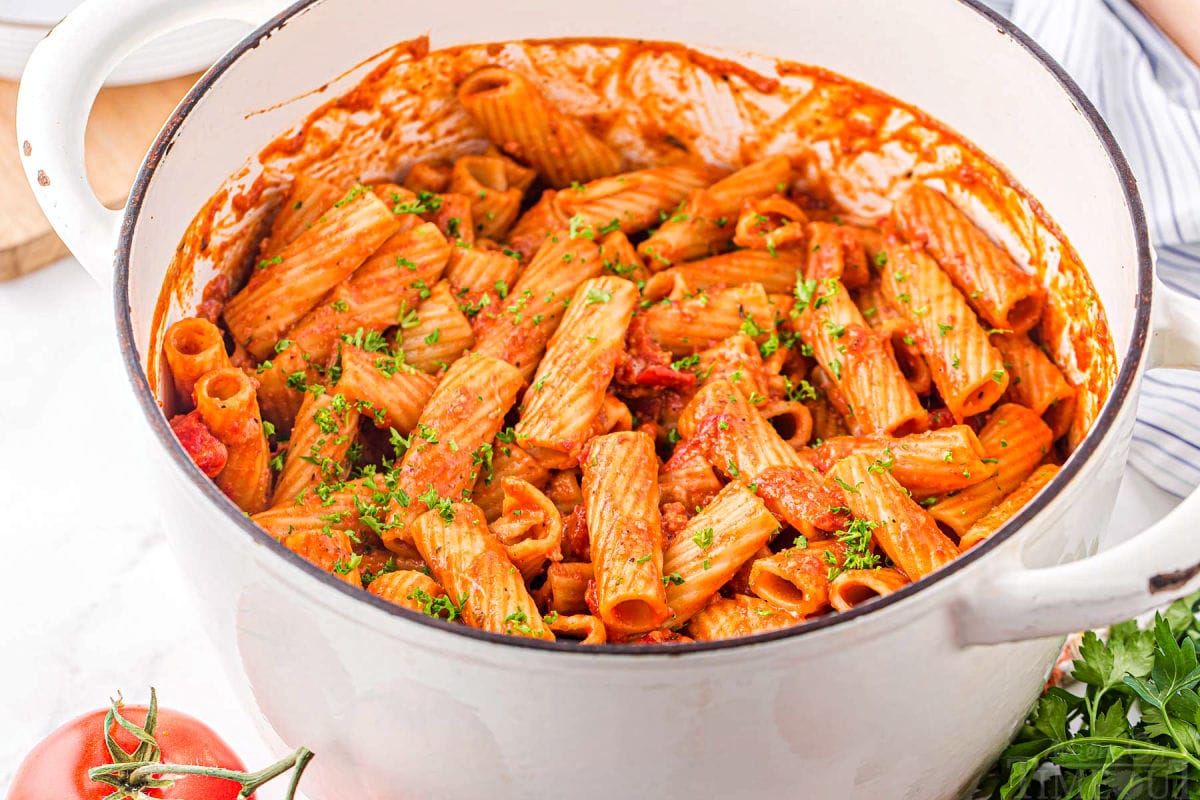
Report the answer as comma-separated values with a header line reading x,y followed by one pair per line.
x,y
60,83
1145,572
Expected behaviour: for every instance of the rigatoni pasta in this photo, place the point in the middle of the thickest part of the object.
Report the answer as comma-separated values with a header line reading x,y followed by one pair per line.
x,y
941,460
889,516
326,429
877,397
740,615
389,392
285,287
442,454
518,329
692,323
439,332
707,221
1000,513
567,393
620,499
549,384
517,116
1036,382
715,544
856,586
193,347
1016,440
1002,293
968,371
226,403
471,565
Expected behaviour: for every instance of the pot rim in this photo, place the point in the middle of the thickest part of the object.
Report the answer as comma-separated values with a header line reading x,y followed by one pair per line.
x,y
1120,394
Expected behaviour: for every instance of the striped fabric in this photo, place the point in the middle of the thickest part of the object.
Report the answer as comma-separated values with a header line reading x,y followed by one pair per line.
x,y
1149,92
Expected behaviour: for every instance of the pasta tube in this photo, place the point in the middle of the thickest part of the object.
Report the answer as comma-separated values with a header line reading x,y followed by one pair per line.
x,y
325,429
1007,508
835,251
797,579
737,440
688,325
905,532
776,273
1037,382
620,499
384,291
706,223
733,617
517,331
1016,440
439,332
1000,291
499,463
193,347
289,285
714,545
302,207
968,371
940,460
471,565
632,201
858,360
856,586
568,392
390,392
495,187
227,404
521,121
407,588
463,414
529,527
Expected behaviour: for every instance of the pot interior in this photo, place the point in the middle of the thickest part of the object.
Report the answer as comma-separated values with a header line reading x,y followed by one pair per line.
x,y
947,58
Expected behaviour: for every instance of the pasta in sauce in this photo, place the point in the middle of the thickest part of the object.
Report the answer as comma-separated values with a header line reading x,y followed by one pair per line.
x,y
557,383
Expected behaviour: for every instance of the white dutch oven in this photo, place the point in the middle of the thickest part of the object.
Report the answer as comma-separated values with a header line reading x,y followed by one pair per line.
x,y
907,697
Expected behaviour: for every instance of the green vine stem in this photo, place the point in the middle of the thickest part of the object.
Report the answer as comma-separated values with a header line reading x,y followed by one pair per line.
x,y
139,773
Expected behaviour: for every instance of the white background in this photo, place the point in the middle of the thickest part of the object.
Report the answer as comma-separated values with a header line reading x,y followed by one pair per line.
x,y
91,599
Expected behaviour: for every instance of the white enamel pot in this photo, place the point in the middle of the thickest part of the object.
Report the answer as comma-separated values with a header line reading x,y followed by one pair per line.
x,y
910,697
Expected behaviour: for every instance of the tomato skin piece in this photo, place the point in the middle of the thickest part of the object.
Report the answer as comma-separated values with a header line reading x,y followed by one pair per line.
x,y
57,767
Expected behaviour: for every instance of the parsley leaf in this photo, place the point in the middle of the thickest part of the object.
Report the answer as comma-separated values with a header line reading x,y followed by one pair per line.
x,y
595,295
1084,745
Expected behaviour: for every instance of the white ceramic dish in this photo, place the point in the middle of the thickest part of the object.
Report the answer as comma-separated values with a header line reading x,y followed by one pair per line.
x,y
908,697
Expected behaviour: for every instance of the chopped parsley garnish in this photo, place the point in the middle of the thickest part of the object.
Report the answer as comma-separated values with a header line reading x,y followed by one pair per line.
x,y
577,228
686,363
595,295
427,202
441,607
352,195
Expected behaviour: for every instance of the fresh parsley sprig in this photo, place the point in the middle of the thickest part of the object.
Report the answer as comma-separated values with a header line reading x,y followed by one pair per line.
x,y
1085,745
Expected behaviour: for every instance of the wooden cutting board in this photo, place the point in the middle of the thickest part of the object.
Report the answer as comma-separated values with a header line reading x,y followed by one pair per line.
x,y
122,126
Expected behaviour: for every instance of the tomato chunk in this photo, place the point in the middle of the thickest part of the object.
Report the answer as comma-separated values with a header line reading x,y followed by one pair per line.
x,y
206,450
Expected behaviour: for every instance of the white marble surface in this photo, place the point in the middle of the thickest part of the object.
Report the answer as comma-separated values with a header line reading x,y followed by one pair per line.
x,y
91,600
